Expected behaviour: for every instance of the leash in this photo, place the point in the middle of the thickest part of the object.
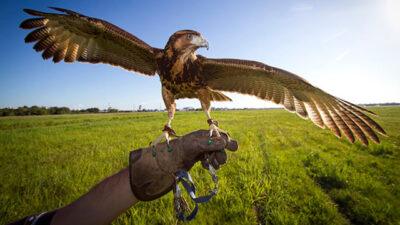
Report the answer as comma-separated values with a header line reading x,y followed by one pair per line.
x,y
180,203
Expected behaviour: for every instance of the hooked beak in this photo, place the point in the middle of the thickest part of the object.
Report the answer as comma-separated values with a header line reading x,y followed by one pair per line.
x,y
200,42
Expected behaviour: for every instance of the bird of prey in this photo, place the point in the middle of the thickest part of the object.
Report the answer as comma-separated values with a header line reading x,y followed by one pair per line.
x,y
71,36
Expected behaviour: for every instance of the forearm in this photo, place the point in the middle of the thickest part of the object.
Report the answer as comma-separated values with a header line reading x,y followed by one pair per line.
x,y
101,205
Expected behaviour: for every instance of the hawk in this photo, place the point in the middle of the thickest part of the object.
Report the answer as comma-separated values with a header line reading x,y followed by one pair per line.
x,y
71,36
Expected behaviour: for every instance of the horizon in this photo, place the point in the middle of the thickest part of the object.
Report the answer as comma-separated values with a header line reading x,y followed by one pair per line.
x,y
352,50
138,109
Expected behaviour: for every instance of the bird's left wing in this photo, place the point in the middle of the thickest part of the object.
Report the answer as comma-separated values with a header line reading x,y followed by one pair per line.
x,y
294,93
72,36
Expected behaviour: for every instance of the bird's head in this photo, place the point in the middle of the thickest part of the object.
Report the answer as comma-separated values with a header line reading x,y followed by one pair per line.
x,y
186,41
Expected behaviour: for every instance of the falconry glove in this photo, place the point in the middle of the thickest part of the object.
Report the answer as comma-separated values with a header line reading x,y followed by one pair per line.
x,y
153,169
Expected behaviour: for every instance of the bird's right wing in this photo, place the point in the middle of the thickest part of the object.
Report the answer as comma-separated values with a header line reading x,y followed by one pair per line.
x,y
294,93
72,36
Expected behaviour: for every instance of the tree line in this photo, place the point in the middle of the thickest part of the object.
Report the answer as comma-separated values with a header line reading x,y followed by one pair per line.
x,y
41,110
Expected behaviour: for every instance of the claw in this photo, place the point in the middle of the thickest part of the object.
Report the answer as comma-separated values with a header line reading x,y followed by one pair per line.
x,y
167,132
214,128
170,131
217,130
160,138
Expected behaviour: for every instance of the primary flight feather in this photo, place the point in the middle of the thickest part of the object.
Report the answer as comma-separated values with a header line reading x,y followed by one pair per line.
x,y
71,36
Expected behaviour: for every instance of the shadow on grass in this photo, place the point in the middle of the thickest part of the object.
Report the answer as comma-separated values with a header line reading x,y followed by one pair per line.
x,y
381,150
332,181
324,175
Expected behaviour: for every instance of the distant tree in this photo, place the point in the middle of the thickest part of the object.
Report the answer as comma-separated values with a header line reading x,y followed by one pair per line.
x,y
51,110
36,110
22,111
64,110
58,110
7,112
93,110
111,110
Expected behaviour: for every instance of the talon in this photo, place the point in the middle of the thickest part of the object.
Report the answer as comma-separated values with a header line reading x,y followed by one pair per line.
x,y
214,128
160,138
167,132
170,131
211,121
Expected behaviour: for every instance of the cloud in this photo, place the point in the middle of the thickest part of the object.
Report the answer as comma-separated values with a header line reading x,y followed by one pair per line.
x,y
342,55
301,7
334,36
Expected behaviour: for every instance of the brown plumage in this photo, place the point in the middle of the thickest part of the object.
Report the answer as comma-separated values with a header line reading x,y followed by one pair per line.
x,y
71,36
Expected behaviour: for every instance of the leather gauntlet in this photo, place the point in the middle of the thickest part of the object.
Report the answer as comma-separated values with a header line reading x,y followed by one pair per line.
x,y
152,170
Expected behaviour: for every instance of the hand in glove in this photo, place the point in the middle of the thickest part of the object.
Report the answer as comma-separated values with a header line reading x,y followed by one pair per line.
x,y
152,170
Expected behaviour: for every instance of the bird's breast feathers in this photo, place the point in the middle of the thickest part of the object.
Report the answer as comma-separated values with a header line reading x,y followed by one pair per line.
x,y
182,77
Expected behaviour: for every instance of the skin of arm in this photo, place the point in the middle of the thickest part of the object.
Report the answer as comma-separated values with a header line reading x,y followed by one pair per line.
x,y
101,205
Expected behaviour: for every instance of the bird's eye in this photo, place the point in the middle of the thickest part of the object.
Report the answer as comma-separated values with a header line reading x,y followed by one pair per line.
x,y
189,36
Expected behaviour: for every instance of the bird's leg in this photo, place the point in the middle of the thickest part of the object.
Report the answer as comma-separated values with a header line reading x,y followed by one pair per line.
x,y
171,107
167,131
206,105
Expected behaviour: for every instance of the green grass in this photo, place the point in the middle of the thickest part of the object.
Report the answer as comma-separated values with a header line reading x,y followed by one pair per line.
x,y
287,171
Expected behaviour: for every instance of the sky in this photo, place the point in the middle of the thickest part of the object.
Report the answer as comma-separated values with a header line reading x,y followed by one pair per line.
x,y
351,49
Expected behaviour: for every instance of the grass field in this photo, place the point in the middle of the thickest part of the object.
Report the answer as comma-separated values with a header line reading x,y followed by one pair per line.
x,y
287,171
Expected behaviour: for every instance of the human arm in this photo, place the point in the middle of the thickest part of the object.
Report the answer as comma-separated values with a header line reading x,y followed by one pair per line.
x,y
101,205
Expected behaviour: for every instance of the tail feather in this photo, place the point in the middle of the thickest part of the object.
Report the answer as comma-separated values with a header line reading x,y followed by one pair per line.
x,y
219,96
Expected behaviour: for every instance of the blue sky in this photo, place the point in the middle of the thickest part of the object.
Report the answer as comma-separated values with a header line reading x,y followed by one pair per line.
x,y
350,49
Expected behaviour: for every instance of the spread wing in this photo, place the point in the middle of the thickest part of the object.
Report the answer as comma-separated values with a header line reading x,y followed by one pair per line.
x,y
71,36
294,93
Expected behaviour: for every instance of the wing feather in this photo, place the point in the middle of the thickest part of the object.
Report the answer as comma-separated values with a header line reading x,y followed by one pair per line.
x,y
314,114
33,23
294,93
366,119
44,43
300,108
340,122
289,101
71,36
355,129
327,118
